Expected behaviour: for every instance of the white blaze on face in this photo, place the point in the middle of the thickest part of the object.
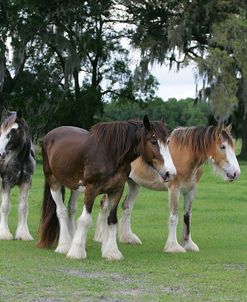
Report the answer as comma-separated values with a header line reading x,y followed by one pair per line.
x,y
168,162
4,138
232,167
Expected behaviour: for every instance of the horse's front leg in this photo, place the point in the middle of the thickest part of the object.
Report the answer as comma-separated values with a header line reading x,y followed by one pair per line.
x,y
5,207
187,241
125,232
22,231
101,225
172,245
109,247
78,246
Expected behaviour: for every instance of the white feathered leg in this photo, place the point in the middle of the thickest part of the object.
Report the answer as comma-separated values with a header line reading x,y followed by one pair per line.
x,y
187,241
72,206
125,232
172,245
109,247
101,225
22,231
78,247
64,241
5,207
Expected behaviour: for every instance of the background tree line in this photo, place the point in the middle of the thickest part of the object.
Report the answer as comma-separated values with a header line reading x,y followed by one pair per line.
x,y
68,65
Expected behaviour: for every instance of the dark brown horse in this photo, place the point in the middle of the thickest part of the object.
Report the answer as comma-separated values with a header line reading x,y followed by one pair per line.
x,y
96,162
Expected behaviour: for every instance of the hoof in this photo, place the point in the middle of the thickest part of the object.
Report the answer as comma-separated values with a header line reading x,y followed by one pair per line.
x,y
62,248
6,235
20,235
98,237
112,255
174,248
76,252
130,239
191,246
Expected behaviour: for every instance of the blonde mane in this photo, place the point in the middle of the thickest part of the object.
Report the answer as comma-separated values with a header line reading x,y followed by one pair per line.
x,y
200,140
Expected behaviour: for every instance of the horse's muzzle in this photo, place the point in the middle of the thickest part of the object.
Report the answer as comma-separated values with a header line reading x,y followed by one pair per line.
x,y
232,176
167,176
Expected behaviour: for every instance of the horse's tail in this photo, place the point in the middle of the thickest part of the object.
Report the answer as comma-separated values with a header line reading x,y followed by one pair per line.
x,y
49,224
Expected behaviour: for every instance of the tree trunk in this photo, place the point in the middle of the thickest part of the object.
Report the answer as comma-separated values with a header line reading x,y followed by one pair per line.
x,y
242,116
77,85
243,153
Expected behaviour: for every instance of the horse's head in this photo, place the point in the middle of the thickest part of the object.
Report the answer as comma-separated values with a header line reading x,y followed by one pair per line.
x,y
155,149
12,134
224,157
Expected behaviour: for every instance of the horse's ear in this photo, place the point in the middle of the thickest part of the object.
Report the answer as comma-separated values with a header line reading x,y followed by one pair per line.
x,y
4,114
146,123
229,128
163,119
19,113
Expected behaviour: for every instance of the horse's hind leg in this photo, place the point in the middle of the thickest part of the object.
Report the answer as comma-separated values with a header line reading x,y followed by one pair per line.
x,y
22,231
72,206
5,207
172,245
64,240
187,242
125,232
109,247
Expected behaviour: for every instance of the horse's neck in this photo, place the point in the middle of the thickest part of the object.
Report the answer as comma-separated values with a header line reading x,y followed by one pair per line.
x,y
25,151
185,160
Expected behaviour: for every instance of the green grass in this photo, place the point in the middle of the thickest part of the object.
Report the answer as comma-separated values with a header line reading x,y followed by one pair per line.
x,y
216,273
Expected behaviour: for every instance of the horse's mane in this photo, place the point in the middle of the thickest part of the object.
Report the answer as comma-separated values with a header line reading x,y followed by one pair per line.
x,y
201,139
9,121
119,137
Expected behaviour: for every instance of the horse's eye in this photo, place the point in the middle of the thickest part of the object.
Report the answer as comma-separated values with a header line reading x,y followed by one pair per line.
x,y
154,141
168,141
222,147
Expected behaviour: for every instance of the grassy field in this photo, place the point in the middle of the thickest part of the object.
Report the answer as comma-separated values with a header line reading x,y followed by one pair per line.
x,y
217,273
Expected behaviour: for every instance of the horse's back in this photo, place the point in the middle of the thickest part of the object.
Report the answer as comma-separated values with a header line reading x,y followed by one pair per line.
x,y
64,137
62,133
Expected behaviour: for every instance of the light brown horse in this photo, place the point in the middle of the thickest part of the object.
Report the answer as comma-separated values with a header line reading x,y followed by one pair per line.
x,y
95,162
189,148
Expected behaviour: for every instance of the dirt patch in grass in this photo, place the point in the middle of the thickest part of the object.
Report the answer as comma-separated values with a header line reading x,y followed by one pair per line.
x,y
48,300
235,267
127,287
115,277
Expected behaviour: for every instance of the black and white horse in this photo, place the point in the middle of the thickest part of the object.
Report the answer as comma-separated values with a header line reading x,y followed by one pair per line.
x,y
17,164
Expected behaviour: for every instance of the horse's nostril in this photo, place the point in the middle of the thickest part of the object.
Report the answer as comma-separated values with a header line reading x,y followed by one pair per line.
x,y
167,175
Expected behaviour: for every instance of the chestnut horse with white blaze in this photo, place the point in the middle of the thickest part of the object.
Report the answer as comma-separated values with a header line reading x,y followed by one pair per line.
x,y
94,162
190,148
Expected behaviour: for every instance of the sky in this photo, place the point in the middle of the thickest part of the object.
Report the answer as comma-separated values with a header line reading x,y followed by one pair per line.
x,y
172,83
179,84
